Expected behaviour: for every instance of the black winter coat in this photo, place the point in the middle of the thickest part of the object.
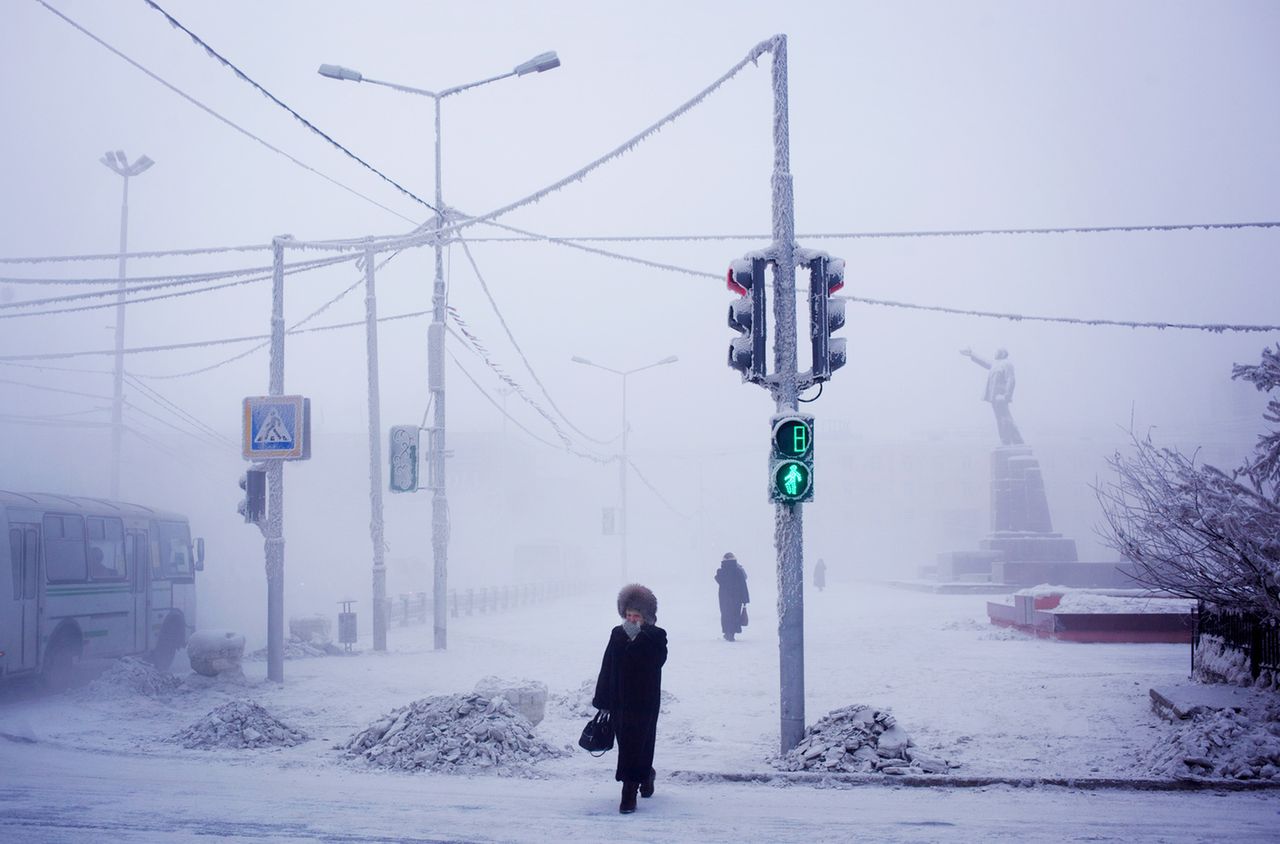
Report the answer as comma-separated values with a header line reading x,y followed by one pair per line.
x,y
630,687
733,594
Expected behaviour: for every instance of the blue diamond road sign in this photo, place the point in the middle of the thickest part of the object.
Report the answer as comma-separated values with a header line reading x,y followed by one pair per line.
x,y
277,428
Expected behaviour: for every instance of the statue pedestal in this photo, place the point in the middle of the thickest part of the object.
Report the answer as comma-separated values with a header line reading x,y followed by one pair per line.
x,y
1021,529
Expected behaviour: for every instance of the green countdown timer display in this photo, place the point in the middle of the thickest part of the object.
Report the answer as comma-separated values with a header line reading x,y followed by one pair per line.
x,y
793,438
791,464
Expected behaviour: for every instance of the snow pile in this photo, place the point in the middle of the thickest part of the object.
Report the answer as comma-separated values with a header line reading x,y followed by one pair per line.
x,y
295,648
132,676
528,697
577,703
461,733
859,739
1089,602
1223,743
239,724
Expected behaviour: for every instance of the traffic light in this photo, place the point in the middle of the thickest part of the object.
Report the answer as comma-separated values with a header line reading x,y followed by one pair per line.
x,y
746,315
826,276
791,462
254,504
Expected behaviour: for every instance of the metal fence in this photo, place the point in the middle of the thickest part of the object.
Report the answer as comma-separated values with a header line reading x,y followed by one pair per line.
x,y
1256,637
416,607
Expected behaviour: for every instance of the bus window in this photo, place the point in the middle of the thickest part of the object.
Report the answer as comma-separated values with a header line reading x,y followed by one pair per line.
x,y
106,548
175,552
64,558
15,560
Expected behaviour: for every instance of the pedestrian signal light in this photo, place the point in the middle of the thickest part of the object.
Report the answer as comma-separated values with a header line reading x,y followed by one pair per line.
x,y
791,461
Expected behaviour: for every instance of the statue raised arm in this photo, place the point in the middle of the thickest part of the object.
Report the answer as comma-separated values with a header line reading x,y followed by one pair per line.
x,y
999,392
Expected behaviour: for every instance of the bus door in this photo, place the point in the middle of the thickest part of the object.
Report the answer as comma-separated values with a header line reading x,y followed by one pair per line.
x,y
24,548
136,547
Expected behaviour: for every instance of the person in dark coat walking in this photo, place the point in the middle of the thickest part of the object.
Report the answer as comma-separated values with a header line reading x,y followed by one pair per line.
x,y
629,688
733,595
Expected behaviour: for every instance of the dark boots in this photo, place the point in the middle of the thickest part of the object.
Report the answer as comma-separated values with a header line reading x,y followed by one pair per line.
x,y
646,787
628,804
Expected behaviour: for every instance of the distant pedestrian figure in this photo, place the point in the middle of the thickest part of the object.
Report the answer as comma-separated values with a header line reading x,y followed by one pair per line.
x,y
820,575
733,595
629,688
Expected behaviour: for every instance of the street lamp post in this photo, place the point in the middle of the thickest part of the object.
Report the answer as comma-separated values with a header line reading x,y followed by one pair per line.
x,y
623,459
435,337
116,161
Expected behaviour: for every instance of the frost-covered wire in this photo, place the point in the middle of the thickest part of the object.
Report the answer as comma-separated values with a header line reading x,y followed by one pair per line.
x,y
148,282
46,388
528,366
292,329
113,256
233,125
560,241
517,422
424,235
460,331
1215,328
654,489
130,300
159,399
687,238
214,54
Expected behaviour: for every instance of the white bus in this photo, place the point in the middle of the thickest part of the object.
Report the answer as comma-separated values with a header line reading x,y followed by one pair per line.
x,y
88,578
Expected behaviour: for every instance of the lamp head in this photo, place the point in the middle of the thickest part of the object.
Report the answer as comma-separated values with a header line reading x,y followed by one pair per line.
x,y
539,63
337,71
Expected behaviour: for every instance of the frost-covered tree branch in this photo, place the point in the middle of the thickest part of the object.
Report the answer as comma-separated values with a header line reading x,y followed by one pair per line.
x,y
1194,530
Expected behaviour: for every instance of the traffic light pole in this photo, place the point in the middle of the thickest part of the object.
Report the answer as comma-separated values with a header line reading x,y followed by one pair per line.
x,y
788,521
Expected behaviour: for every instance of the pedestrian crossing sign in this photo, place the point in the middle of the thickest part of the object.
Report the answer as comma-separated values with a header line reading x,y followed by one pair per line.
x,y
277,428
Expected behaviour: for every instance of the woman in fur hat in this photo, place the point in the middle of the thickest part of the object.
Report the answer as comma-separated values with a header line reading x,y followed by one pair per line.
x,y
733,595
629,687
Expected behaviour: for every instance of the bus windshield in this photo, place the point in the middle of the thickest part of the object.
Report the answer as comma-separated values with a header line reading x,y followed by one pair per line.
x,y
175,552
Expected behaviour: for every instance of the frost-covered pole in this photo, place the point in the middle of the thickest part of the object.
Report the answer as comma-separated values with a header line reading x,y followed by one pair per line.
x,y
375,455
435,384
788,535
274,531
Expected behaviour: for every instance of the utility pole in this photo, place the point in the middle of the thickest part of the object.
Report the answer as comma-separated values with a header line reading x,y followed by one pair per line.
x,y
623,527
788,521
435,385
115,160
375,455
273,531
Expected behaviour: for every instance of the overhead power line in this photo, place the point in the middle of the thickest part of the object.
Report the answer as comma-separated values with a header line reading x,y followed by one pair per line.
x,y
686,238
1215,328
234,125
270,96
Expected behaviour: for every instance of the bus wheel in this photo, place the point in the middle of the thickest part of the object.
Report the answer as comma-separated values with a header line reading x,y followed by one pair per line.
x,y
60,664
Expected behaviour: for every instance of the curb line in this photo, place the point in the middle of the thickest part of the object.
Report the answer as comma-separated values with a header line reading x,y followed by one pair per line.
x,y
948,781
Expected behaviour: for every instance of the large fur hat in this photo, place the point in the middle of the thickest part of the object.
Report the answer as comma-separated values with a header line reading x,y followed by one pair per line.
x,y
636,597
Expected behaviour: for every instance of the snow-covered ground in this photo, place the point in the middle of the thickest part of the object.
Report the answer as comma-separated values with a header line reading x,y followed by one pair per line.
x,y
998,703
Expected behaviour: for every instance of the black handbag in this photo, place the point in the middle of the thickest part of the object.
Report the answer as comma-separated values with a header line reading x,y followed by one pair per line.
x,y
743,619
597,736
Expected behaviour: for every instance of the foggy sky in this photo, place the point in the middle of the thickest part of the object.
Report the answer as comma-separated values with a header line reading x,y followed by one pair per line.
x,y
904,117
